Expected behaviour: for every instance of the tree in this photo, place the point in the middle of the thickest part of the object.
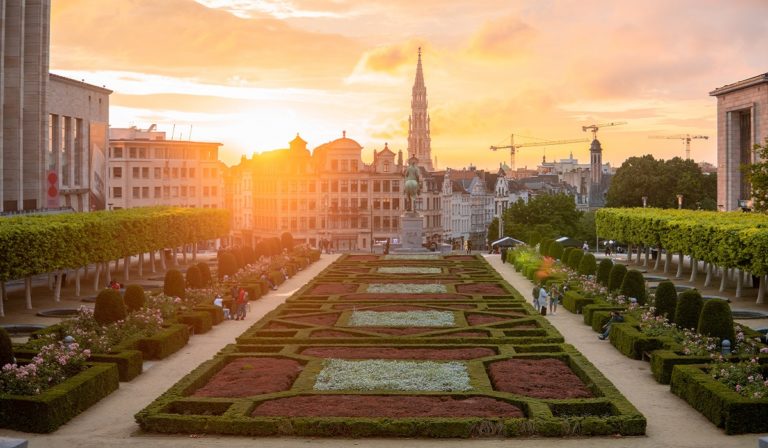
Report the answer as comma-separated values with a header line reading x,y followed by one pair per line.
x,y
545,216
493,230
757,174
286,241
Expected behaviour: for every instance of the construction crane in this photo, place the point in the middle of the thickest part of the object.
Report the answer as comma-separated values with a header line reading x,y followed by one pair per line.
x,y
595,127
513,146
685,137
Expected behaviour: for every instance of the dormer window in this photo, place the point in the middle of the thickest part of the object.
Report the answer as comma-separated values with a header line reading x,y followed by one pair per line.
x,y
386,167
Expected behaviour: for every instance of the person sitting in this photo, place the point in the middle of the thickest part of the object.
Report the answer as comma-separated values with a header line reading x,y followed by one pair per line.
x,y
268,280
219,301
615,317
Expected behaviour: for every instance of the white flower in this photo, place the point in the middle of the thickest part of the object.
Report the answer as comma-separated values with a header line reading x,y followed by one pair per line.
x,y
407,288
401,319
412,257
408,270
380,374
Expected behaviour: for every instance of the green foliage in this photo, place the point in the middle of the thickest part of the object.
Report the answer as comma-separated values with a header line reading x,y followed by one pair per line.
x,y
134,297
633,285
227,264
716,320
109,307
544,216
688,311
574,258
205,273
544,246
588,264
286,241
757,174
493,230
174,284
666,300
533,238
194,279
567,255
556,250
6,348
604,271
618,271
249,256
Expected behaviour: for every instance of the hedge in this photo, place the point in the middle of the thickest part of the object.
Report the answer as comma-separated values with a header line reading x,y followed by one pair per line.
x,y
200,321
575,302
161,345
57,405
632,343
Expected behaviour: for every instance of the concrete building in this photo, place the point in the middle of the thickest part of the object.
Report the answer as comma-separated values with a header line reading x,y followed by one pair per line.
x,y
75,159
145,169
24,61
467,205
742,122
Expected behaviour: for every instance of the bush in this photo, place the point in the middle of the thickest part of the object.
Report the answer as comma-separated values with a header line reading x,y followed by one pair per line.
x,y
545,247
588,265
633,285
688,309
194,279
618,271
227,265
109,307
574,258
249,256
604,271
666,300
6,348
134,297
205,274
286,241
716,320
556,250
174,284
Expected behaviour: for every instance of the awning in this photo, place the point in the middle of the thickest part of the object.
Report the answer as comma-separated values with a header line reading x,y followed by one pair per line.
x,y
507,241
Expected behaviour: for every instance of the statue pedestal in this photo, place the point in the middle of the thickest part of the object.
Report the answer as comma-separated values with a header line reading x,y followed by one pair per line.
x,y
412,234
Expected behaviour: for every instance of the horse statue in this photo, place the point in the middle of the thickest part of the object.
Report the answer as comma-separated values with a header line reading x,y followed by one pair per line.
x,y
412,185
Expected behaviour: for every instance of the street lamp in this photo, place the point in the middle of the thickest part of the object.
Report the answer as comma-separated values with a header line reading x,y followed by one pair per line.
x,y
679,201
645,201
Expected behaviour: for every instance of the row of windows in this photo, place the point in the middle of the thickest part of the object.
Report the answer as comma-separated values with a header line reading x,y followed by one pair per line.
x,y
142,172
344,165
165,192
303,223
143,152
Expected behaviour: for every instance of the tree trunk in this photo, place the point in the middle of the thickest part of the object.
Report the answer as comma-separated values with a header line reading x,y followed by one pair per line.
x,y
629,253
194,252
761,289
162,260
658,259
57,286
107,272
85,271
747,279
694,269
3,292
2,299
50,282
96,271
28,292
680,262
77,282
667,262
739,283
184,253
141,265
647,263
708,279
126,268
174,261
152,261
723,279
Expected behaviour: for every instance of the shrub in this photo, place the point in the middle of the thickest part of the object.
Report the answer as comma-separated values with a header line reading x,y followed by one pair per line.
x,y
533,238
227,265
109,307
174,284
688,309
194,279
6,348
604,271
238,254
618,271
666,300
249,256
633,285
286,241
716,320
574,258
274,245
205,274
556,250
588,265
545,247
566,254
134,297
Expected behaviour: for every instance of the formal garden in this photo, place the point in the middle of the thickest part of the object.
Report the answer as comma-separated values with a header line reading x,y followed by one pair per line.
x,y
398,345
691,341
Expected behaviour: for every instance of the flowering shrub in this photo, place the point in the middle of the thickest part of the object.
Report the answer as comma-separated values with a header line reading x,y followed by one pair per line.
x,y
55,363
745,378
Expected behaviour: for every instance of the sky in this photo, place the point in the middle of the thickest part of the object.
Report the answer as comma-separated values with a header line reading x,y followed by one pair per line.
x,y
251,74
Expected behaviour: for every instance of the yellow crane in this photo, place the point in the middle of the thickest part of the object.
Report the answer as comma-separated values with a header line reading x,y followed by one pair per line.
x,y
513,146
686,138
595,127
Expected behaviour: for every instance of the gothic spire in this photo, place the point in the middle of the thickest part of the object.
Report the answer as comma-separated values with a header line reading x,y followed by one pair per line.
x,y
419,142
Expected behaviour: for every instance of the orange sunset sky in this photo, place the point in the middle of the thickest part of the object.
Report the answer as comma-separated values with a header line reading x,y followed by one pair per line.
x,y
253,73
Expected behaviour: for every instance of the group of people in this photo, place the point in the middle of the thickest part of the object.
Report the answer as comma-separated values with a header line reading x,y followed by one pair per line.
x,y
542,297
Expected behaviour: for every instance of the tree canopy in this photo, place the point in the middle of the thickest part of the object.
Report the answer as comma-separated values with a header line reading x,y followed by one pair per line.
x,y
547,216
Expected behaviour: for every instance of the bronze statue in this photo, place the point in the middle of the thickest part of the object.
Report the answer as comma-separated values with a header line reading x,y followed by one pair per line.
x,y
412,184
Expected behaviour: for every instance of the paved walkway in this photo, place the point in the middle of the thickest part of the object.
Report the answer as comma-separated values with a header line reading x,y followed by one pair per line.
x,y
671,422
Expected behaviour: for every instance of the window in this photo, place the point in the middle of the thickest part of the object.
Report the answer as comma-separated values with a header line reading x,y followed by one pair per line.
x,y
353,186
312,186
363,203
334,165
396,204
345,165
353,165
145,192
136,172
192,192
166,191
184,172
192,172
158,192
136,193
117,172
334,186
376,204
205,192
386,167
376,186
344,185
158,172
175,172
324,186
213,191
175,192
117,192
385,185
145,173
133,152
142,153
395,186
117,153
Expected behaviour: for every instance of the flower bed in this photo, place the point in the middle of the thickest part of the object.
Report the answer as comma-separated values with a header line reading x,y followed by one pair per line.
x,y
244,377
407,270
399,353
540,378
391,375
401,319
406,288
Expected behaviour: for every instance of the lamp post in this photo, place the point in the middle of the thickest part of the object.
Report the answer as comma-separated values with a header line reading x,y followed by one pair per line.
x,y
645,201
679,201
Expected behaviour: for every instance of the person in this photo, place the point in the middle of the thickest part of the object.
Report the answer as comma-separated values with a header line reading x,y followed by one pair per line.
x,y
219,301
615,317
543,296
585,247
503,254
268,280
554,299
242,301
114,285
386,247
469,246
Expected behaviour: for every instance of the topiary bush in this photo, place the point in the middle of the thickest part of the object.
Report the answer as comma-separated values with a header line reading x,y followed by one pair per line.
x,y
227,265
6,348
556,250
688,310
194,279
205,274
545,245
109,307
574,258
566,254
716,320
286,241
604,271
666,300
134,297
633,285
588,265
618,271
174,284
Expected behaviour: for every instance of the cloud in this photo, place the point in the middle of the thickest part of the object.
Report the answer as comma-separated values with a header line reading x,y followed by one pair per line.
x,y
506,38
280,9
388,64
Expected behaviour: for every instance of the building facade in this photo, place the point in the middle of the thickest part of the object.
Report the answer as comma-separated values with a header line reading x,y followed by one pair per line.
x,y
742,122
24,61
145,169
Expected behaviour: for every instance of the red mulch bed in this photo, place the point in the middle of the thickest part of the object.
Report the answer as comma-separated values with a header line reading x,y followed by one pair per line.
x,y
462,334
386,407
362,258
405,297
281,326
318,319
481,319
335,334
537,378
481,288
333,288
245,377
399,353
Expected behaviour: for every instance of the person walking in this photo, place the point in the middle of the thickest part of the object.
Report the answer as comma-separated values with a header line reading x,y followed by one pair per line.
x,y
543,296
585,247
554,299
242,301
469,247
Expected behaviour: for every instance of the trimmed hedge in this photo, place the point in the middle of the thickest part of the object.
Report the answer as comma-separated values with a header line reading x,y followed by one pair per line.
x,y
194,278
616,277
129,362
57,405
556,250
575,302
134,297
200,321
633,285
6,347
688,310
216,312
716,320
632,343
109,307
666,300
588,265
161,345
574,258
174,284
604,271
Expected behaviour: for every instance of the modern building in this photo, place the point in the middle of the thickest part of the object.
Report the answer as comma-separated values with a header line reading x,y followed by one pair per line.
x,y
24,61
146,169
742,122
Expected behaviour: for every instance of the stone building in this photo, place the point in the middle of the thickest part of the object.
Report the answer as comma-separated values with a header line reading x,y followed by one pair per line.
x,y
145,169
419,140
742,122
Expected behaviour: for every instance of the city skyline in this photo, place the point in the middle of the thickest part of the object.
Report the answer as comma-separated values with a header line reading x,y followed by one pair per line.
x,y
318,68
